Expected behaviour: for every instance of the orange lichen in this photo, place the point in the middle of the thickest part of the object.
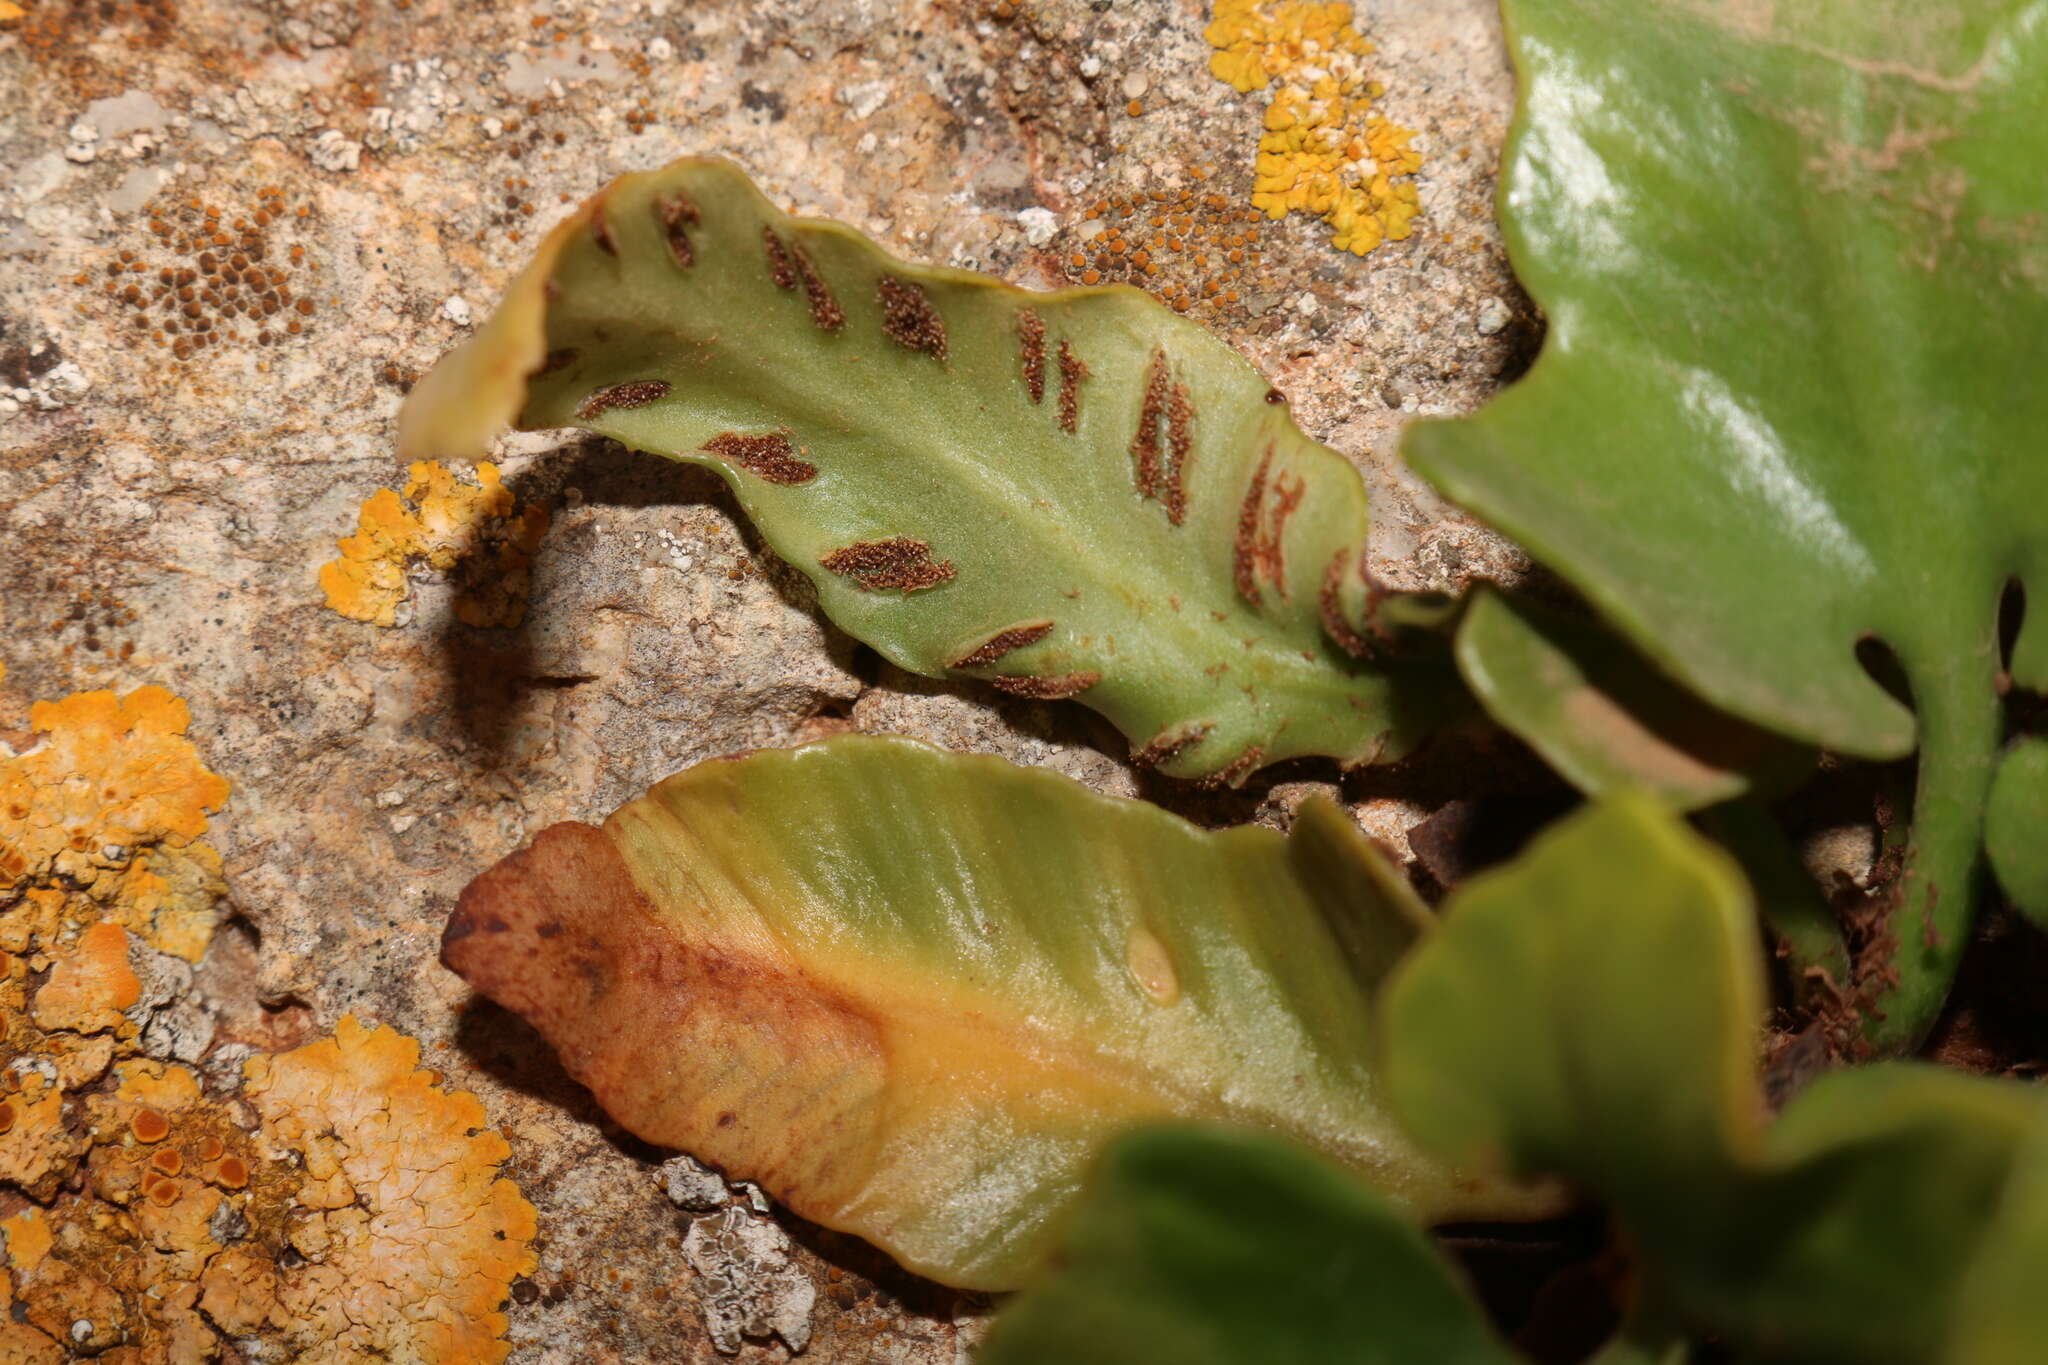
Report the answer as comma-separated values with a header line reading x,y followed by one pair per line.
x,y
205,278
1188,245
28,1239
135,1183
149,1126
91,985
37,1151
416,1263
101,820
479,529
153,1087
1324,150
172,1228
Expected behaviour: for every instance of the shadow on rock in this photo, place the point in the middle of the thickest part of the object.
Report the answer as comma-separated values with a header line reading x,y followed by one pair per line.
x,y
493,672
515,1055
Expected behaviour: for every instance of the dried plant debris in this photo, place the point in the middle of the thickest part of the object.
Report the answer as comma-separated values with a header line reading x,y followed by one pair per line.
x,y
912,993
478,532
945,456
1325,150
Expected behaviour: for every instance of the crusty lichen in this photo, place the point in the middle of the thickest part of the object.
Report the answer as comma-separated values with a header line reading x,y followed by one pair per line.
x,y
411,1238
1324,150
90,985
149,1219
100,819
480,527
358,1215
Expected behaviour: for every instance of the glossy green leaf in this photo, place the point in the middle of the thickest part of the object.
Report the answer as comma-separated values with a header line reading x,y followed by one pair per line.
x,y
913,993
1068,494
2016,827
1618,965
1797,286
1201,1247
1601,715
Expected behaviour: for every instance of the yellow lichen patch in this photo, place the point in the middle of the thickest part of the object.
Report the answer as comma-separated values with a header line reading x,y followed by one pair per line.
x,y
1324,150
90,985
478,528
148,1087
65,1058
146,1194
418,1262
101,820
37,1149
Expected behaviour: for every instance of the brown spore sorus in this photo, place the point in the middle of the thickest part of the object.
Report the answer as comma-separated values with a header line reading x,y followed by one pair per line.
x,y
770,457
637,393
677,214
1168,743
1259,551
1073,370
1002,642
601,230
898,562
1031,341
1047,687
1159,458
788,265
825,310
1240,768
908,318
1330,605
781,269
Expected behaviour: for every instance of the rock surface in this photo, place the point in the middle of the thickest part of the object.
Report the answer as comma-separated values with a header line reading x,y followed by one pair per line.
x,y
165,508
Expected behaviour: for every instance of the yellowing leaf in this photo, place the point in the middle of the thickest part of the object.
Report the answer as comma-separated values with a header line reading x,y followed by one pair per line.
x,y
912,993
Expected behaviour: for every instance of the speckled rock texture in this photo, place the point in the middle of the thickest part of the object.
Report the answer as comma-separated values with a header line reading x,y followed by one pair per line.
x,y
371,175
